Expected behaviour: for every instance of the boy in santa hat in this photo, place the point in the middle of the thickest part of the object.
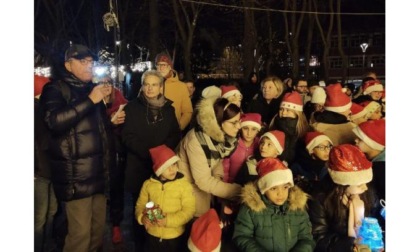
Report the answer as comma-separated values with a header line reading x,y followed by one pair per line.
x,y
232,94
206,233
172,192
334,121
273,215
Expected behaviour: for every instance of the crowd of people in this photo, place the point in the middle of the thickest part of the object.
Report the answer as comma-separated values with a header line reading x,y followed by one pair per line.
x,y
293,165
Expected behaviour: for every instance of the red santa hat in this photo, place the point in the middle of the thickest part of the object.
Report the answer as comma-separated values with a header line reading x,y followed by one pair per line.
x,y
357,111
206,233
372,133
39,82
348,165
313,139
292,100
277,137
272,172
336,101
372,85
251,119
163,57
228,91
162,157
370,107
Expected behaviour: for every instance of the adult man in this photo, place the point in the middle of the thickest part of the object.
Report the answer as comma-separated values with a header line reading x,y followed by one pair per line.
x,y
80,147
175,90
301,86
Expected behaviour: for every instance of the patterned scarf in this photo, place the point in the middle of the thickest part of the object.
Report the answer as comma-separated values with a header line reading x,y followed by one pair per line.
x,y
153,108
214,150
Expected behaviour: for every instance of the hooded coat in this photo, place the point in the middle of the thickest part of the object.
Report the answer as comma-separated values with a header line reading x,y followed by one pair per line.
x,y
264,226
205,175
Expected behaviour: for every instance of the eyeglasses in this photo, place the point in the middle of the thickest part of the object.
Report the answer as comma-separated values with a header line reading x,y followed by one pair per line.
x,y
324,147
84,61
163,65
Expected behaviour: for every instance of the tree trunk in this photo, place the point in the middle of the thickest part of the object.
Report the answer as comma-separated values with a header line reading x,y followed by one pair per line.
x,y
344,64
250,39
154,29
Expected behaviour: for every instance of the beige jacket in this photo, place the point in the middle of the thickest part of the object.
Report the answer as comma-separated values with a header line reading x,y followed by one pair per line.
x,y
338,133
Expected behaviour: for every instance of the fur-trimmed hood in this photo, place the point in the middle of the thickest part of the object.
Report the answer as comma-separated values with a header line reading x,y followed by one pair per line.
x,y
206,118
253,199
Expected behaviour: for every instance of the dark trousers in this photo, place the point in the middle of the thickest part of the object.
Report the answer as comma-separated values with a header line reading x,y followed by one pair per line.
x,y
155,244
116,189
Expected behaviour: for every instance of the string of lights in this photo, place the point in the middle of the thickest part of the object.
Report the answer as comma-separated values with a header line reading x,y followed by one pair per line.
x,y
286,11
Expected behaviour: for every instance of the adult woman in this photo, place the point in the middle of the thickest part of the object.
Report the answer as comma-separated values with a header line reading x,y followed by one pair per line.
x,y
204,147
268,101
150,121
338,208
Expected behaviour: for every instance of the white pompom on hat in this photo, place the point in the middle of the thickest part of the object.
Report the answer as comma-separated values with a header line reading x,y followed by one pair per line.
x,y
313,139
162,157
206,233
292,100
251,119
348,165
336,101
272,172
372,133
319,96
277,137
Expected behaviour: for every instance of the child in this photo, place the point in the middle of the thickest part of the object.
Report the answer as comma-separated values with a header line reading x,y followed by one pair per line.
x,y
173,193
232,94
247,145
358,114
310,163
271,145
291,120
273,216
206,233
339,207
373,110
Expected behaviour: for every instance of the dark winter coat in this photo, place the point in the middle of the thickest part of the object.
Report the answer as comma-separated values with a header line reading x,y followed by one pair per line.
x,y
288,126
266,110
263,226
139,136
42,165
79,139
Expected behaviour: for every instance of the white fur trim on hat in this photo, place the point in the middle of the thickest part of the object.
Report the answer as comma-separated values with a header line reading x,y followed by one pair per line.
x,y
351,178
339,109
372,144
316,141
377,87
165,165
193,248
319,96
251,123
230,93
274,140
290,105
275,178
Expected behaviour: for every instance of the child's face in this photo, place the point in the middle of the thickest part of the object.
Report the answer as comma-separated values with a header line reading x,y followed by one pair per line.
x,y
267,148
359,189
376,115
249,133
169,173
376,95
284,112
322,150
278,194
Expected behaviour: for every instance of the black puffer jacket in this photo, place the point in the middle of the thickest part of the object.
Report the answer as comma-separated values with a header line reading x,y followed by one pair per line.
x,y
79,139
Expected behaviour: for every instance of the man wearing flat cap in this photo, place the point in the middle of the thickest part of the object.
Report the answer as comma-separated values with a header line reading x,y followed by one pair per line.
x,y
175,90
80,147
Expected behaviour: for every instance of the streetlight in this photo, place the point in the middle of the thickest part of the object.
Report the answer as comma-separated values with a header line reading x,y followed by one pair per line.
x,y
364,46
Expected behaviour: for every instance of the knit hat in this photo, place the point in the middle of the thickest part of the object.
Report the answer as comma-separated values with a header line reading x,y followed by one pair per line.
x,y
206,233
292,100
336,101
163,57
211,91
277,137
319,96
162,158
39,82
370,107
251,119
372,133
348,165
272,172
228,91
79,52
357,111
372,85
313,139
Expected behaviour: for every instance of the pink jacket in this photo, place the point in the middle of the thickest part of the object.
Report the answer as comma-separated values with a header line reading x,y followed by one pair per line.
x,y
232,164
